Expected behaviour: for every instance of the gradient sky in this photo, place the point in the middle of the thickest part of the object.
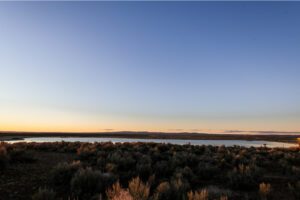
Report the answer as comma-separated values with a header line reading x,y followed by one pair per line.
x,y
160,66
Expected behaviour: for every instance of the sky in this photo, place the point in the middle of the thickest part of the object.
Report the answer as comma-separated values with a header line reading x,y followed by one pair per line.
x,y
150,66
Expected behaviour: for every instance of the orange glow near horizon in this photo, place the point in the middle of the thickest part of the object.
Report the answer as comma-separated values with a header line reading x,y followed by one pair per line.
x,y
93,126
34,119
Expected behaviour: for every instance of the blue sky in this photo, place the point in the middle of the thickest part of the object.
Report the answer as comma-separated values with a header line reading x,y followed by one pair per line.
x,y
157,66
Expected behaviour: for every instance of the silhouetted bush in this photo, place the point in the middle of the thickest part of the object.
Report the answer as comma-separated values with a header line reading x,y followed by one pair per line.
x,y
61,175
4,158
206,171
86,184
87,151
244,177
162,169
163,192
44,194
175,190
295,189
21,155
179,188
144,171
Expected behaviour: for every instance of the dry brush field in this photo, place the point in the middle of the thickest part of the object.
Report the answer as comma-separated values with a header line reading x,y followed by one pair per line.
x,y
146,171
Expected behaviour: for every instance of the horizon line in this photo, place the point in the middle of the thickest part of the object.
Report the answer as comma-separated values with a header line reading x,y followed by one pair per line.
x,y
225,132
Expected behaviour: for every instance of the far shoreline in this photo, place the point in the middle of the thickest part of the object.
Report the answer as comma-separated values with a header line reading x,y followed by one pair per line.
x,y
10,136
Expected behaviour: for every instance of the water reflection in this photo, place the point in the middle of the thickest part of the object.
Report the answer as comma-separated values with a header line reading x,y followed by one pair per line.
x,y
244,143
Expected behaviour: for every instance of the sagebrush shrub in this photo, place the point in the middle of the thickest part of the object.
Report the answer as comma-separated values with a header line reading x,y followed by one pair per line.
x,y
163,191
244,177
4,158
295,189
61,175
44,194
21,155
86,183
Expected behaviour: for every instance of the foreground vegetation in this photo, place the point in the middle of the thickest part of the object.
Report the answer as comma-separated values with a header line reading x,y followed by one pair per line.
x,y
147,171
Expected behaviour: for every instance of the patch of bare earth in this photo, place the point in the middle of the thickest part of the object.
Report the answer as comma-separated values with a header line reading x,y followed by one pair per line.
x,y
19,181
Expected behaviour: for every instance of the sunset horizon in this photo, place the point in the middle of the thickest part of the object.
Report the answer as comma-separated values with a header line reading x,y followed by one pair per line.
x,y
139,66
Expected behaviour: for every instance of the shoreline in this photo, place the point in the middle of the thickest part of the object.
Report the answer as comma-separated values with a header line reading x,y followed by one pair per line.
x,y
10,136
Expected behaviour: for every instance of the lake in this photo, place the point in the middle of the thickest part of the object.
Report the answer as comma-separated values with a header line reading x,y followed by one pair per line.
x,y
245,143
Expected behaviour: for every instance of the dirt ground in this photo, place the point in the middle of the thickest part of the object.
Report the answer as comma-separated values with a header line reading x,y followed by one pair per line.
x,y
21,180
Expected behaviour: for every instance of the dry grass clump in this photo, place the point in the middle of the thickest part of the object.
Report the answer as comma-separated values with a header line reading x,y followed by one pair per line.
x,y
205,194
123,195
116,192
138,189
223,197
264,190
198,195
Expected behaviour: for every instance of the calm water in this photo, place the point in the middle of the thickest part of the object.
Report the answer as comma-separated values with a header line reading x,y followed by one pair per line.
x,y
244,143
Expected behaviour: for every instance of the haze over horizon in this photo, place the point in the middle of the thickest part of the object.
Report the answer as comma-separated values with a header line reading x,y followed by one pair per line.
x,y
150,66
